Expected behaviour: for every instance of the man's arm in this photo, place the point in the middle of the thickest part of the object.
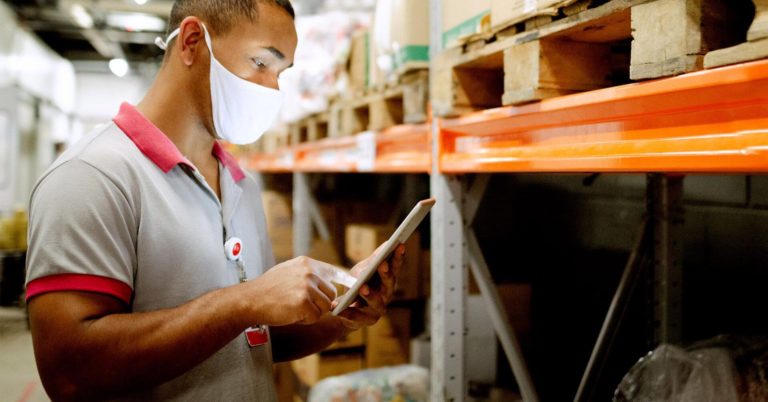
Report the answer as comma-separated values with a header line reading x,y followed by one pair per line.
x,y
89,347
296,341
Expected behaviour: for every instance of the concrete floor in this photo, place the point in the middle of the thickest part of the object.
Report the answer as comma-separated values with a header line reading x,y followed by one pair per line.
x,y
19,381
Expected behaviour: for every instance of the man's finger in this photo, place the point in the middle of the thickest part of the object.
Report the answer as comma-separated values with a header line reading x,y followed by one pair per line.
x,y
398,259
327,288
387,281
375,300
332,273
321,300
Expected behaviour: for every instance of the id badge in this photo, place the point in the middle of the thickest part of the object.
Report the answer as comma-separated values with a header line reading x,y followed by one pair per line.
x,y
257,336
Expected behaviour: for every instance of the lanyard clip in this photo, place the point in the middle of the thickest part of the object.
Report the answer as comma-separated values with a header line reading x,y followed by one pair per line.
x,y
234,249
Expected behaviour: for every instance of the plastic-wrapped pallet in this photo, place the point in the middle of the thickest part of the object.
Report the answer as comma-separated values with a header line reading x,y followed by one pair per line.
x,y
724,369
391,384
322,52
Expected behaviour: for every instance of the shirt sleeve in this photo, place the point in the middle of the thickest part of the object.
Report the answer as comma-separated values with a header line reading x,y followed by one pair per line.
x,y
82,234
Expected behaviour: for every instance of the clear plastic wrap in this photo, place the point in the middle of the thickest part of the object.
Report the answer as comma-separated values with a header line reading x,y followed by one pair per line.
x,y
391,384
723,369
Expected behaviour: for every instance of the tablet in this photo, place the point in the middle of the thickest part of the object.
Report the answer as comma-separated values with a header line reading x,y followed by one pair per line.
x,y
400,236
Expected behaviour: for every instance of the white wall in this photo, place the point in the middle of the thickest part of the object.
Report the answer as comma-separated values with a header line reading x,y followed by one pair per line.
x,y
37,92
26,62
99,95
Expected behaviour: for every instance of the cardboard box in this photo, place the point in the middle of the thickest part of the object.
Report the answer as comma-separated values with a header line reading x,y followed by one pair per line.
x,y
507,12
463,18
410,35
516,298
354,340
363,239
311,369
324,250
388,341
359,62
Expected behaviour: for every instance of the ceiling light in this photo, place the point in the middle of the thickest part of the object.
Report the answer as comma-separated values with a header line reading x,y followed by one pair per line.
x,y
81,16
136,22
140,2
119,67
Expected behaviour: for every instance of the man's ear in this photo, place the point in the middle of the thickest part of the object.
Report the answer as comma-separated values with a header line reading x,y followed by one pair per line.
x,y
190,40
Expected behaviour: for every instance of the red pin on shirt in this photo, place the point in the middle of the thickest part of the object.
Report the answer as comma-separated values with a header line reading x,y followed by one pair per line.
x,y
233,248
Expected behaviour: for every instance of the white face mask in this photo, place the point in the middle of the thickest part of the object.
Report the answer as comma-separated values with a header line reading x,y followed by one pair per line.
x,y
242,111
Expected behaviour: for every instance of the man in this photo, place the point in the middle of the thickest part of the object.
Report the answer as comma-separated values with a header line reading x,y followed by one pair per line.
x,y
149,267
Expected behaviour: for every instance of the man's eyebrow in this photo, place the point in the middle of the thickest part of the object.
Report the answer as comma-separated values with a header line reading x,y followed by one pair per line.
x,y
276,52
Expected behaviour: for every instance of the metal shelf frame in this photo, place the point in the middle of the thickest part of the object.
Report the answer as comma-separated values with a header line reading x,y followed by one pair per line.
x,y
714,121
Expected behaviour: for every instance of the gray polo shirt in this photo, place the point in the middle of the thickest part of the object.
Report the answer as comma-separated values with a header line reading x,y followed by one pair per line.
x,y
124,213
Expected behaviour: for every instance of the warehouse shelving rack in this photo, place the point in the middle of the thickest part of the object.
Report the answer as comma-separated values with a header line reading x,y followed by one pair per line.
x,y
713,121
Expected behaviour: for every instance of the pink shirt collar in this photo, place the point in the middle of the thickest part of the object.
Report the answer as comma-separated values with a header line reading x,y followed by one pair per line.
x,y
160,149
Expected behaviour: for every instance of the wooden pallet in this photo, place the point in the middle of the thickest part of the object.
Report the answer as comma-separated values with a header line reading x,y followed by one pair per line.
x,y
589,45
754,48
310,128
274,140
404,102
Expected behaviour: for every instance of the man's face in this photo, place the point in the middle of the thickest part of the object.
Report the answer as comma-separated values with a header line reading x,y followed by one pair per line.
x,y
261,50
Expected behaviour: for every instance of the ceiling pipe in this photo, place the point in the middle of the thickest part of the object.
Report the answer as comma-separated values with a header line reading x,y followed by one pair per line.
x,y
83,18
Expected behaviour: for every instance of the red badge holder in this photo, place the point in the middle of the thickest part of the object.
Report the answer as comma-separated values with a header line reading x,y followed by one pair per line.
x,y
257,336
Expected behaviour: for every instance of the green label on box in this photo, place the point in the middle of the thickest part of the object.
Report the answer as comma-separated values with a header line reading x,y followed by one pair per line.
x,y
468,27
411,53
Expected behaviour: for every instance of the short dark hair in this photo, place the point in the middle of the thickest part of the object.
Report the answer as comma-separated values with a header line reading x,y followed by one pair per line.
x,y
221,14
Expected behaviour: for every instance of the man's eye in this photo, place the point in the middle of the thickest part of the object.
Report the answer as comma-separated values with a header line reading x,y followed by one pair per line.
x,y
259,63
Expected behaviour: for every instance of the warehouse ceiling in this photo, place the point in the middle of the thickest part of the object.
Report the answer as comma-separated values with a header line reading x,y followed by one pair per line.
x,y
122,29
97,30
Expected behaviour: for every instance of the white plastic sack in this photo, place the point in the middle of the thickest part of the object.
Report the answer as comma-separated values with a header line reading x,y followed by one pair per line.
x,y
391,384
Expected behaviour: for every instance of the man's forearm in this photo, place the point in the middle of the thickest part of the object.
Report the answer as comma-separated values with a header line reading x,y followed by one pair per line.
x,y
296,341
118,353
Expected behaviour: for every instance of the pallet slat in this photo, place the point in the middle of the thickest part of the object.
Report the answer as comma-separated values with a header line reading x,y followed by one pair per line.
x,y
756,46
382,108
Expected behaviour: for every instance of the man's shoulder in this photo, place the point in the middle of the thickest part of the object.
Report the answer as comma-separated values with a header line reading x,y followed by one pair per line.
x,y
106,148
104,151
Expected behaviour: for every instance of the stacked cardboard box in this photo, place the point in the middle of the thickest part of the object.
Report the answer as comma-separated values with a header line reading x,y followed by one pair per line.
x,y
464,18
388,341
13,231
311,369
397,42
409,30
359,69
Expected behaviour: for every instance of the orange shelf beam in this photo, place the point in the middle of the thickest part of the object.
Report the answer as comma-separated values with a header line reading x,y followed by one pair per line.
x,y
404,149
281,161
400,149
712,121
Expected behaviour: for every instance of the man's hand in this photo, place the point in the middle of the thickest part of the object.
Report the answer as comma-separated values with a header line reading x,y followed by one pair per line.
x,y
375,295
294,292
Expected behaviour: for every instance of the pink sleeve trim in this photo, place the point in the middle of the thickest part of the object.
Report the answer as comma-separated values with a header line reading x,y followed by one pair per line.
x,y
82,283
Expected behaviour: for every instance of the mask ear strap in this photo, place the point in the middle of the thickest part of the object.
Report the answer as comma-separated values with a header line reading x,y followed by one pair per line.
x,y
163,44
208,40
